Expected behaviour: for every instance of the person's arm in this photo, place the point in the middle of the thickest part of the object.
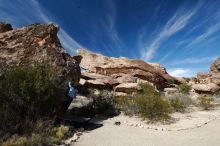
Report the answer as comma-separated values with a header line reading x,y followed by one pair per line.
x,y
69,84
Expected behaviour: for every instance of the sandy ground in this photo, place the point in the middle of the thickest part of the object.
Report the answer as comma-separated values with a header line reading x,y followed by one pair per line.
x,y
134,132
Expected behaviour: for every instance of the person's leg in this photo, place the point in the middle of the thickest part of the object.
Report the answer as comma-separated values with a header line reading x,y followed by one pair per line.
x,y
61,110
67,104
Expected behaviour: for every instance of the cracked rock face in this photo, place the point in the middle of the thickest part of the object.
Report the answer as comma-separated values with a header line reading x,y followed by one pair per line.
x,y
209,82
37,43
101,69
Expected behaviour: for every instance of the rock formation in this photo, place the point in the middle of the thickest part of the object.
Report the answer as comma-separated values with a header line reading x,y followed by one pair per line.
x,y
209,82
121,74
4,27
36,43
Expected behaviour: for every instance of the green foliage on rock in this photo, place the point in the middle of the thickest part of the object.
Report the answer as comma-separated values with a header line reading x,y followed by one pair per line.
x,y
26,94
184,88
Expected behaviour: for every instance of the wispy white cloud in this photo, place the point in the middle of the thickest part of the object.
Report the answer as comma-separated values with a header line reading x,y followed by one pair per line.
x,y
68,42
174,25
180,72
30,11
109,26
193,60
209,32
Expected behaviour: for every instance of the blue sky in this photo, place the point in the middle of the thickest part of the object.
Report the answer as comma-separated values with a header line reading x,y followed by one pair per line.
x,y
182,35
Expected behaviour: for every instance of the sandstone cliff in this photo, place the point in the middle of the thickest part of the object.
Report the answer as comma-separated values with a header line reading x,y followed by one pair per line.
x,y
36,43
102,71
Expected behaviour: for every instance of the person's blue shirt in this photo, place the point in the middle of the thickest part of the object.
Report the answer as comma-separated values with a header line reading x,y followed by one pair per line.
x,y
72,91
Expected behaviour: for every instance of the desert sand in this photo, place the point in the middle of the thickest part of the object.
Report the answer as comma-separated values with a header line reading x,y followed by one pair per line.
x,y
199,128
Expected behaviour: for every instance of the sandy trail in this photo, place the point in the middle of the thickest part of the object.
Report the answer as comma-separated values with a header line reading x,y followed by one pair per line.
x,y
126,135
110,135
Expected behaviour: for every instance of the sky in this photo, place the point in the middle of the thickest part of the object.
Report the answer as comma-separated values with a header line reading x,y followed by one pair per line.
x,y
181,35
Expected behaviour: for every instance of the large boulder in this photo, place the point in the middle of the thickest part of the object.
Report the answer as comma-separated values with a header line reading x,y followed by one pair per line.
x,y
124,70
203,78
215,67
38,43
128,87
209,82
206,88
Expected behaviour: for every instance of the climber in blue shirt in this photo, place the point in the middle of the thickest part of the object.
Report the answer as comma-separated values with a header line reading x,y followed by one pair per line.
x,y
71,94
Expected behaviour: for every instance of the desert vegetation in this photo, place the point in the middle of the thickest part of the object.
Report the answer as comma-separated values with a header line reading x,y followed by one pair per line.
x,y
206,102
28,98
147,103
184,88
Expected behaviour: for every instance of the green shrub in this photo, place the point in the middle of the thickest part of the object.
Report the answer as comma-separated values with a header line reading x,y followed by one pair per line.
x,y
126,104
26,94
104,103
184,88
147,103
170,81
43,135
206,102
58,133
16,141
217,95
151,104
177,105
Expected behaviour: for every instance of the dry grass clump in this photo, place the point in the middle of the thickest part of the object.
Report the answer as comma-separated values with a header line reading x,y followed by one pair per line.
x,y
44,136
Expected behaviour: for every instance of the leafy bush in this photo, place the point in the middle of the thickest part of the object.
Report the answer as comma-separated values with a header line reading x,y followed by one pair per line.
x,y
104,103
170,81
58,133
179,102
177,105
147,103
217,95
184,88
126,104
26,94
151,105
206,102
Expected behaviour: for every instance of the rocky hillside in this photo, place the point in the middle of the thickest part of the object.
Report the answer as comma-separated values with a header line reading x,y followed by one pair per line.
x,y
121,74
36,43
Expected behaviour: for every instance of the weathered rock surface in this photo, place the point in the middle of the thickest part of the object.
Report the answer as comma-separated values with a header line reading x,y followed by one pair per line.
x,y
170,90
209,82
110,71
37,43
215,67
206,88
128,87
4,27
203,78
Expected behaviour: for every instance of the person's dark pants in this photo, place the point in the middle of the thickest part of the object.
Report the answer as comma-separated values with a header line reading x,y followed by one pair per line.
x,y
62,109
